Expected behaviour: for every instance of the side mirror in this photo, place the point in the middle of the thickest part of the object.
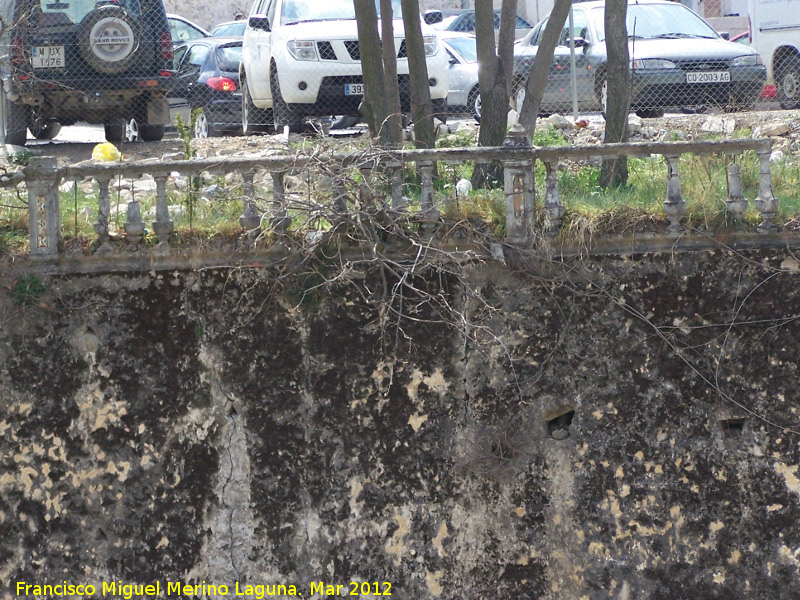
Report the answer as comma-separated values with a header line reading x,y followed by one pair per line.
x,y
432,17
725,35
259,22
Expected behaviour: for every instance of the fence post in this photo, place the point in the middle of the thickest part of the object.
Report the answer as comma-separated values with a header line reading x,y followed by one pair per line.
x,y
103,212
427,209
674,204
518,191
163,225
765,202
44,214
396,169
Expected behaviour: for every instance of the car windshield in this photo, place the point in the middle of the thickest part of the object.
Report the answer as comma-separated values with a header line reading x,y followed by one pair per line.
x,y
465,47
229,58
229,29
75,10
665,21
445,23
300,11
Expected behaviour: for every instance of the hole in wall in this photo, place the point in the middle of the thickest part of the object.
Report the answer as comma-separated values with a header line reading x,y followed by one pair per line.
x,y
732,428
559,422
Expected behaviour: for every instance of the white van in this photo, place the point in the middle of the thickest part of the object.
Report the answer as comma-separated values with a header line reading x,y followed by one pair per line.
x,y
775,33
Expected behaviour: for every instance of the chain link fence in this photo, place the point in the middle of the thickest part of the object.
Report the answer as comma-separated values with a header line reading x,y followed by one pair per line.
x,y
678,62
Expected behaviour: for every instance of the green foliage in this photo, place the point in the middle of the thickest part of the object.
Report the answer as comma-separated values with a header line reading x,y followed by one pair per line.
x,y
549,137
20,158
186,133
27,290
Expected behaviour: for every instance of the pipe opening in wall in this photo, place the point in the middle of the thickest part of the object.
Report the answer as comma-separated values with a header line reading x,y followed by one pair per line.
x,y
732,428
558,425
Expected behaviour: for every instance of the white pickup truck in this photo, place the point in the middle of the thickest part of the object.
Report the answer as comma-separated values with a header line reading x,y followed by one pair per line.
x,y
775,33
302,58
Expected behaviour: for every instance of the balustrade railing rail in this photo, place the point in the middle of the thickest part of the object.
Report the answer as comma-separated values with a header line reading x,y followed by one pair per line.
x,y
43,177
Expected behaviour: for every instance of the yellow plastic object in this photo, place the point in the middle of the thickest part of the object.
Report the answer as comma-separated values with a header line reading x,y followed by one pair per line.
x,y
106,152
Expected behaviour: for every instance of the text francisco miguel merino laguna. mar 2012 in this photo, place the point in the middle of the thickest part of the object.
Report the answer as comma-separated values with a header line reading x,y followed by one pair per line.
x,y
177,588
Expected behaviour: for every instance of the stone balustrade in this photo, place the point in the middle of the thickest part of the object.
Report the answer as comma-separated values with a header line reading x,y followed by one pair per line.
x,y
43,177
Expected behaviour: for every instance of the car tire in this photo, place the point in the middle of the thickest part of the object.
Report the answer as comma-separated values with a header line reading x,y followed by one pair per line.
x,y
474,103
203,127
115,131
151,133
253,118
650,113
282,113
45,131
788,83
15,122
345,122
109,20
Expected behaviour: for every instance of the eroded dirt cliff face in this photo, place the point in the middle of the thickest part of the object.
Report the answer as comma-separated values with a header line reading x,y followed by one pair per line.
x,y
610,428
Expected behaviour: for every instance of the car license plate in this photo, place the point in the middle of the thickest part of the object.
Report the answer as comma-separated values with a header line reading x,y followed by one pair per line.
x,y
47,57
353,89
709,77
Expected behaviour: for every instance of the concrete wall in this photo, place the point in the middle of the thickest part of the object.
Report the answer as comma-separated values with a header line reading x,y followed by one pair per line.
x,y
618,428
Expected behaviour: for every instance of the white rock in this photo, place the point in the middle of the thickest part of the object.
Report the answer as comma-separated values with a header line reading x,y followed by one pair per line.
x,y
67,186
463,188
634,123
728,126
713,124
513,118
558,121
776,156
773,129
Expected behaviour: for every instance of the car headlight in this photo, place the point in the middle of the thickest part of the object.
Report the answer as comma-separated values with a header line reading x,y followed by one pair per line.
x,y
748,60
431,45
302,49
652,63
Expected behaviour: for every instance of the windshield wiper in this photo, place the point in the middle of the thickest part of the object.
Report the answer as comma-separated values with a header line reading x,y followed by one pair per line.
x,y
681,36
304,21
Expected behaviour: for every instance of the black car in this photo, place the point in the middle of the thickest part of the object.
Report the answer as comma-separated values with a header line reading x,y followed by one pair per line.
x,y
62,61
207,78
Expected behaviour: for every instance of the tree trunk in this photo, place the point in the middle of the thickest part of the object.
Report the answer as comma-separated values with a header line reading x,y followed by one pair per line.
x,y
374,105
421,106
540,71
614,172
495,78
394,115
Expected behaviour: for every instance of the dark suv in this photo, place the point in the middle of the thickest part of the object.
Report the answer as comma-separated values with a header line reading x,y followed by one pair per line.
x,y
63,61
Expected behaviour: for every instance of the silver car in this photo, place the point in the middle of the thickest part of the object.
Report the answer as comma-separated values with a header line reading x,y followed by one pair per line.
x,y
463,95
677,60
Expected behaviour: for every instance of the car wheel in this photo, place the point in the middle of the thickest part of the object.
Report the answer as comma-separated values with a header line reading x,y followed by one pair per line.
x,y
602,95
282,114
474,103
151,133
104,22
253,118
789,83
115,131
203,127
132,130
650,113
15,122
345,122
45,131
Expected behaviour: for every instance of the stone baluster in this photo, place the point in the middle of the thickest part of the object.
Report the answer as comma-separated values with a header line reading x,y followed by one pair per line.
x,y
134,226
674,204
250,219
44,213
766,203
280,216
553,209
518,189
736,202
396,170
427,209
103,212
339,191
163,225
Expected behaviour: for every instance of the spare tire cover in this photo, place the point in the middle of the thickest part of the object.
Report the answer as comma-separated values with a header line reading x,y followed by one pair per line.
x,y
109,38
